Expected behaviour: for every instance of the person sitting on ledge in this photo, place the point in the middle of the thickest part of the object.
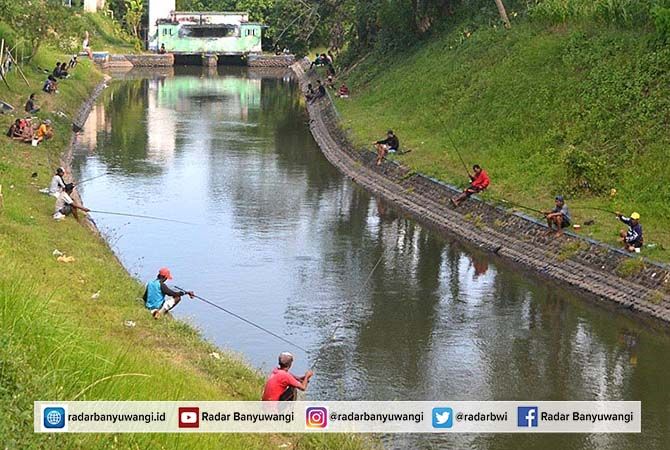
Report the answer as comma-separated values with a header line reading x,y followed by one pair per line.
x,y
385,146
66,206
56,72
162,51
559,216
44,131
320,91
157,290
50,85
632,238
14,129
27,130
63,71
30,107
343,92
478,182
57,183
309,95
282,385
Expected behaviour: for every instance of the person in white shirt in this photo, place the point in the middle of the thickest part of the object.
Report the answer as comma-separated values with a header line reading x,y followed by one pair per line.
x,y
66,206
57,183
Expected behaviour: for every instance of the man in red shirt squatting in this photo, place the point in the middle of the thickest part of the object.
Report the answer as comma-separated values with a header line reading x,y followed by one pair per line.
x,y
479,181
282,385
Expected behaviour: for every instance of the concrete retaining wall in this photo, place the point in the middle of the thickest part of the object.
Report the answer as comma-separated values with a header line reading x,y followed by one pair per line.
x,y
590,266
143,60
270,60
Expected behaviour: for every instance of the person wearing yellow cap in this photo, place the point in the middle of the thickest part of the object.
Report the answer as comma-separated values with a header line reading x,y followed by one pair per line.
x,y
157,290
632,238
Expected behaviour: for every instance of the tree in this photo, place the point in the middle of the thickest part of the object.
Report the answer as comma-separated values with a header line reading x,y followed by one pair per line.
x,y
503,13
133,17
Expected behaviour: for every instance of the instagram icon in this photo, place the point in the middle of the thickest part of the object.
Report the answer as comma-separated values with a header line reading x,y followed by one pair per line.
x,y
316,417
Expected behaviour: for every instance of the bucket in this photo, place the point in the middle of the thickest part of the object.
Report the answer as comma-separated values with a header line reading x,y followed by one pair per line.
x,y
35,142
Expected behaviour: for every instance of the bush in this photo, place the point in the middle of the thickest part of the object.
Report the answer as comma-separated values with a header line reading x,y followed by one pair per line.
x,y
661,18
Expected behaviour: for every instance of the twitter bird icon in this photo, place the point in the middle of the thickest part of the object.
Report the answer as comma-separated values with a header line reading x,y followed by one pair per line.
x,y
443,417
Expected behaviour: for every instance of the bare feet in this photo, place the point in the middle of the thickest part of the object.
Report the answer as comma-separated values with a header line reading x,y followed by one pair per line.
x,y
453,202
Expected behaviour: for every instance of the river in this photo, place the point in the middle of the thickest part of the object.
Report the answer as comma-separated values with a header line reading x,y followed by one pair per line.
x,y
282,238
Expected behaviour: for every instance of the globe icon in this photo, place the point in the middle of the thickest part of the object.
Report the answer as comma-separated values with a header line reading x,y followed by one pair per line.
x,y
54,417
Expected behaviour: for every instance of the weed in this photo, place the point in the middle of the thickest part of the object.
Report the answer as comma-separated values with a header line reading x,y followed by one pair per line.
x,y
656,297
572,248
630,267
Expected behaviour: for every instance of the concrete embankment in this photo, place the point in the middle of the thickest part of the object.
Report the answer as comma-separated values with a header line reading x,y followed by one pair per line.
x,y
605,272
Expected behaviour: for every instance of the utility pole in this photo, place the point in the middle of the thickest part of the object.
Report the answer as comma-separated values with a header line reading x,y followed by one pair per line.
x,y
503,14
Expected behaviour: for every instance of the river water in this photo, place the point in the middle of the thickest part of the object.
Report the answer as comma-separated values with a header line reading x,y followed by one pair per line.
x,y
285,240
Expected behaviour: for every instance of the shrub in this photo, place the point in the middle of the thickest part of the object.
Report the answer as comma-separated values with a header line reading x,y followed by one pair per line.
x,y
661,18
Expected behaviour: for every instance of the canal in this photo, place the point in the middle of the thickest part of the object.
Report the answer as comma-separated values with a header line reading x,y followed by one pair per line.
x,y
282,238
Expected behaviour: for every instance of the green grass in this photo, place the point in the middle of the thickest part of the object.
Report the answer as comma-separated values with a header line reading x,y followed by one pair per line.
x,y
56,343
576,109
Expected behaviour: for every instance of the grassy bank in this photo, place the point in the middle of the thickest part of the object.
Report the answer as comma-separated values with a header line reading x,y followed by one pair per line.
x,y
57,342
578,108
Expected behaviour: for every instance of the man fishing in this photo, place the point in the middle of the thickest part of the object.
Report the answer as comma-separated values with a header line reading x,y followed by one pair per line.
x,y
66,206
282,385
390,144
478,182
558,217
632,238
157,290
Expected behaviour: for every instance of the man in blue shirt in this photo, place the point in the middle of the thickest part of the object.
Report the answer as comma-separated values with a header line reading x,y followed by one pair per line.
x,y
157,290
632,238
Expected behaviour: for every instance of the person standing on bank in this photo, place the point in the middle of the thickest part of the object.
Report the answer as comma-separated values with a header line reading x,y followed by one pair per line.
x,y
282,385
157,290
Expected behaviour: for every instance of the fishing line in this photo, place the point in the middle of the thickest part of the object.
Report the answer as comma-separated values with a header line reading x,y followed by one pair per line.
x,y
271,333
139,216
91,179
351,304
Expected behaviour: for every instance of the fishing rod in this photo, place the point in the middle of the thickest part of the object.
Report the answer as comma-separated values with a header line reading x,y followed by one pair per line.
x,y
237,316
91,179
453,144
595,208
139,216
519,205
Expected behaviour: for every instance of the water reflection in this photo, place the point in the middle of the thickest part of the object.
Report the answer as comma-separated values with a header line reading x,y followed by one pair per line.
x,y
287,241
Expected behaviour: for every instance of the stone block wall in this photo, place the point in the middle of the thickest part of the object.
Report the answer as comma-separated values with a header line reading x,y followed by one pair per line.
x,y
591,266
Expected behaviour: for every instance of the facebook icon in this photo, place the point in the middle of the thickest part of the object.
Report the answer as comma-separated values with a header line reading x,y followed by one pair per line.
x,y
527,416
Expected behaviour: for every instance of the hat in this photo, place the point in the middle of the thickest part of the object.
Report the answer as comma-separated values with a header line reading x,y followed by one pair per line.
x,y
165,272
635,216
47,121
560,198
